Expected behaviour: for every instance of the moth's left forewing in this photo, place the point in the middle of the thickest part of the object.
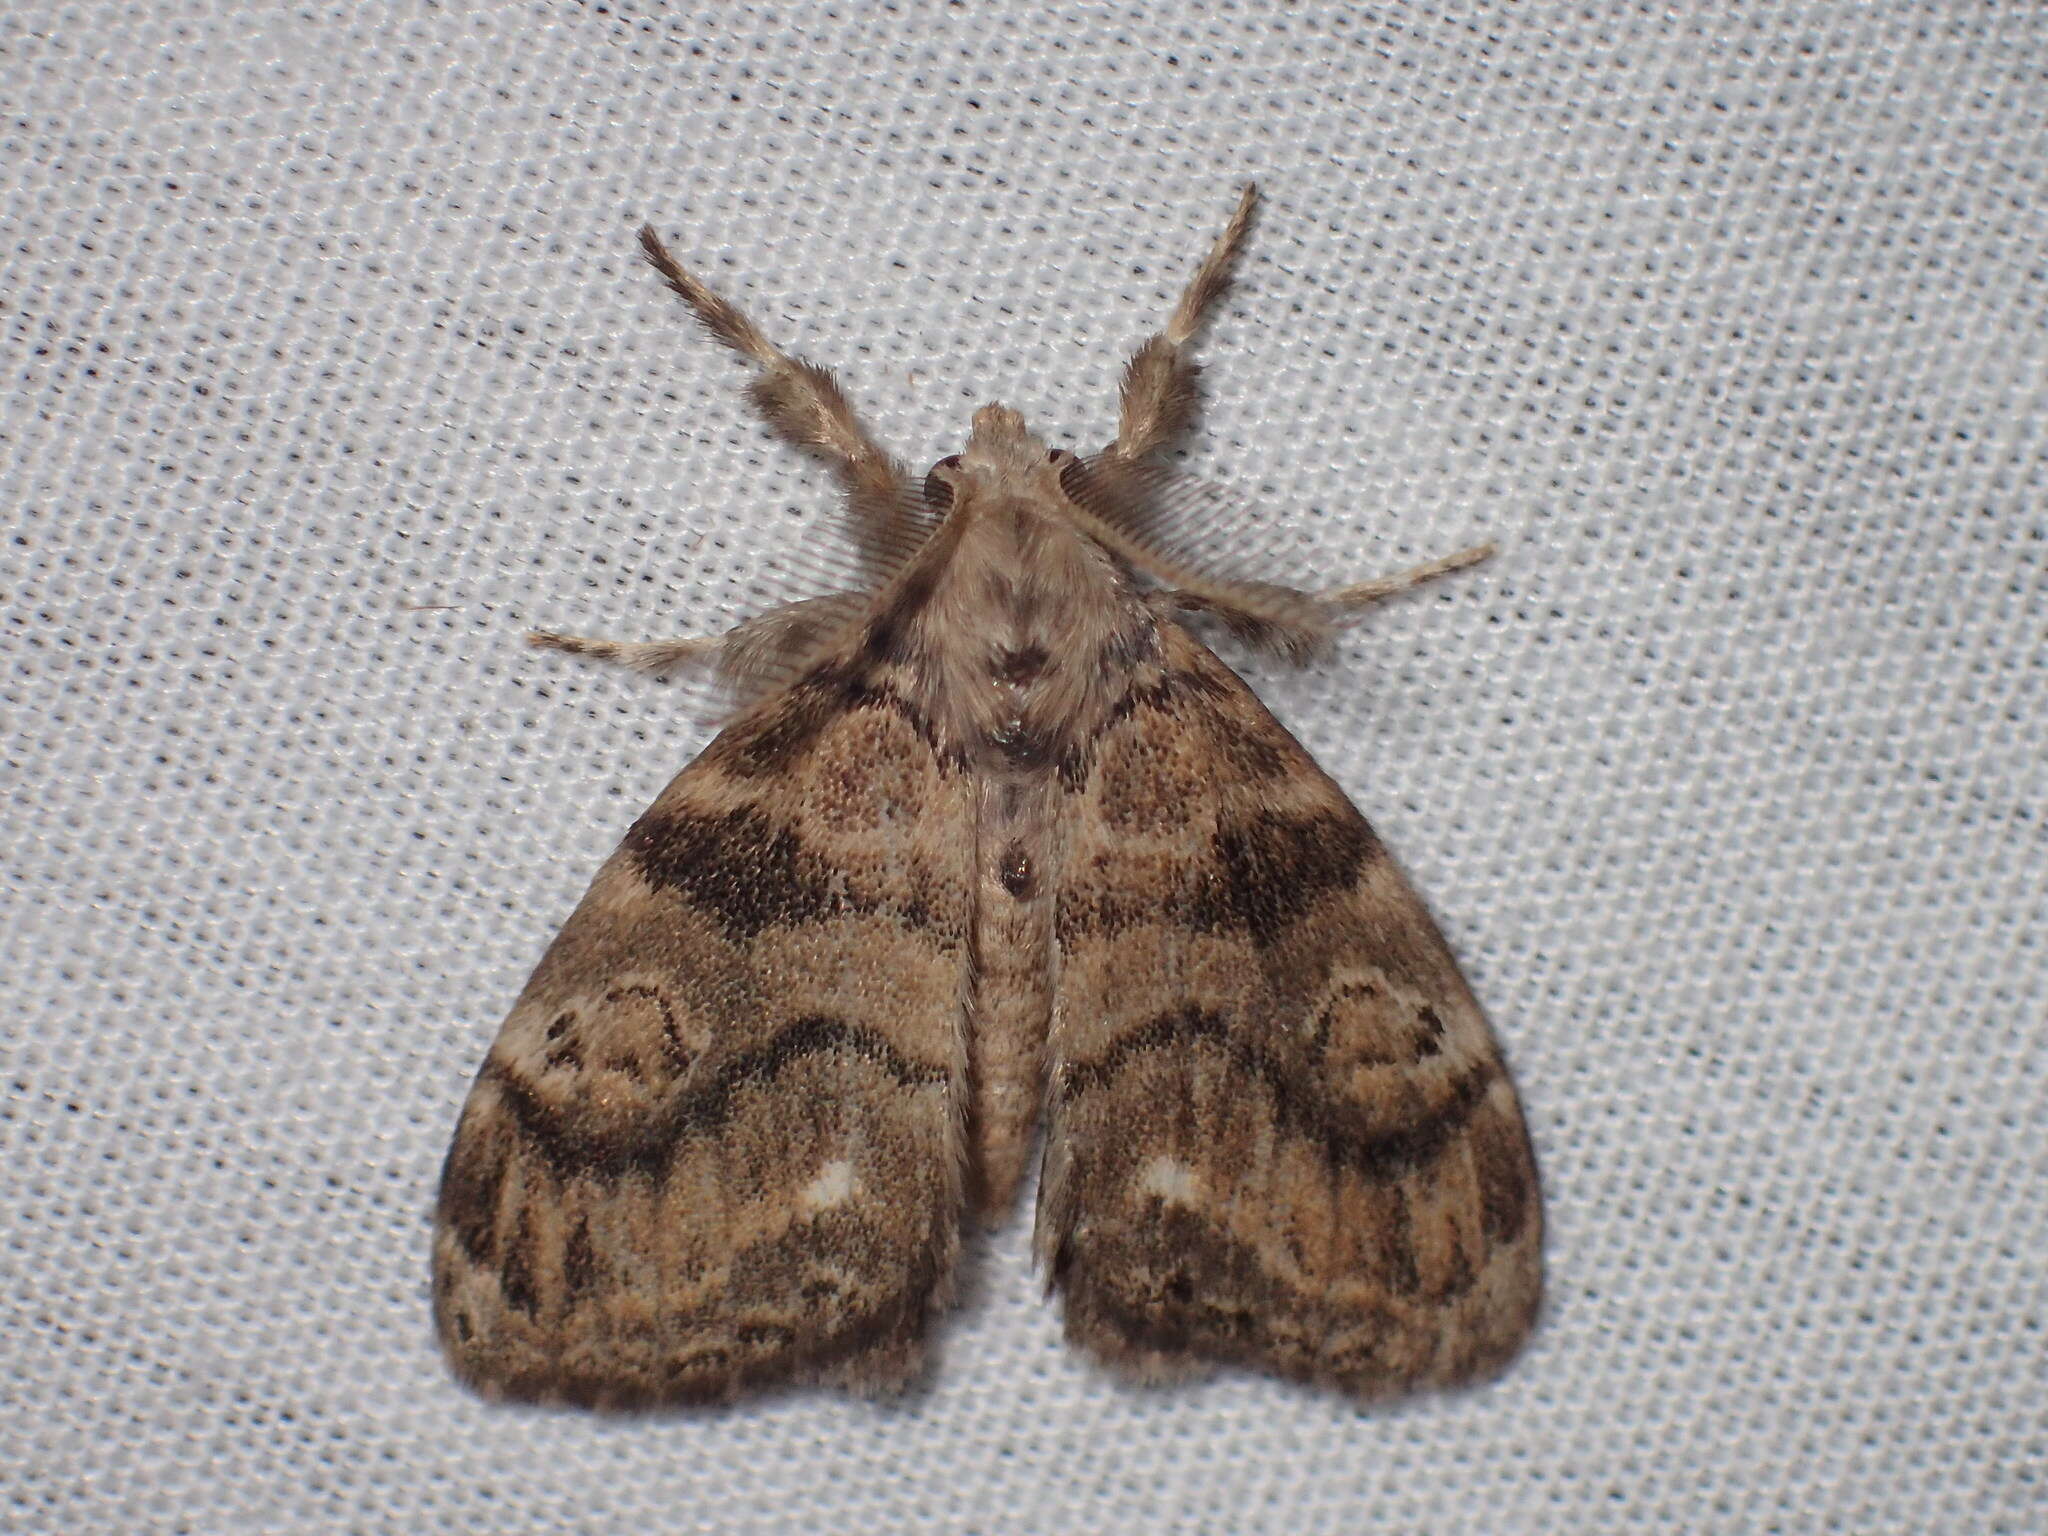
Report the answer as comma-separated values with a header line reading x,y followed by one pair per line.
x,y
716,1144
1279,1131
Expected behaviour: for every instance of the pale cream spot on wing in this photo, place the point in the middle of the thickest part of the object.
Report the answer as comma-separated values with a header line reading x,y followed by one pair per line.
x,y
834,1184
1172,1181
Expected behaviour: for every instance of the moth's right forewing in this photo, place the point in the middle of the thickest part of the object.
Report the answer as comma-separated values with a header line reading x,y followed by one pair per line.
x,y
1279,1131
716,1143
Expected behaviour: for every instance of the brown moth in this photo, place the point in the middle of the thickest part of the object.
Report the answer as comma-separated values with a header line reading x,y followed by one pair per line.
x,y
997,841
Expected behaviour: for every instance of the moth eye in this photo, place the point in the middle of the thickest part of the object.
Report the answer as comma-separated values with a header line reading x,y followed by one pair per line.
x,y
1057,456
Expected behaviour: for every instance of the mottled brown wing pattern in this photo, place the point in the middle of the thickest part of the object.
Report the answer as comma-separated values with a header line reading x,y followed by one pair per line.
x,y
1279,1131
717,1142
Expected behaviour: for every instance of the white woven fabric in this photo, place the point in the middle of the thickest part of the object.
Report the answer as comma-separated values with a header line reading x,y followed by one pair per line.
x,y
330,366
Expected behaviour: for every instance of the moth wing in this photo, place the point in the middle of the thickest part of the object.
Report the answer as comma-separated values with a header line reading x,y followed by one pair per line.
x,y
1279,1131
716,1143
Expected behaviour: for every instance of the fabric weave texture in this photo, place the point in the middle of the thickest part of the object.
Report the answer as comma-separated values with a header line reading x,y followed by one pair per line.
x,y
331,367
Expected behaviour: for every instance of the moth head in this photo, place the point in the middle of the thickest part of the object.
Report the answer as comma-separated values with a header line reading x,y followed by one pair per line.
x,y
1002,457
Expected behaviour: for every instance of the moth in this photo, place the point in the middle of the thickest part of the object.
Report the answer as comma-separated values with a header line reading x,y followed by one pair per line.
x,y
996,842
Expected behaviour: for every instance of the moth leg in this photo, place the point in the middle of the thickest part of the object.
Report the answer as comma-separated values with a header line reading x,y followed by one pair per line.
x,y
1264,614
1159,389
1295,624
802,405
1346,605
657,658
763,649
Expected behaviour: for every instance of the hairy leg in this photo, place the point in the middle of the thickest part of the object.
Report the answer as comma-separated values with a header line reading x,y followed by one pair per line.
x,y
767,649
802,405
1296,624
657,658
1159,390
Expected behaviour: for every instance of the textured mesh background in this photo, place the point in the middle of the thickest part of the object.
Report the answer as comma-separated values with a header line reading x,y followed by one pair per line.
x,y
330,367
